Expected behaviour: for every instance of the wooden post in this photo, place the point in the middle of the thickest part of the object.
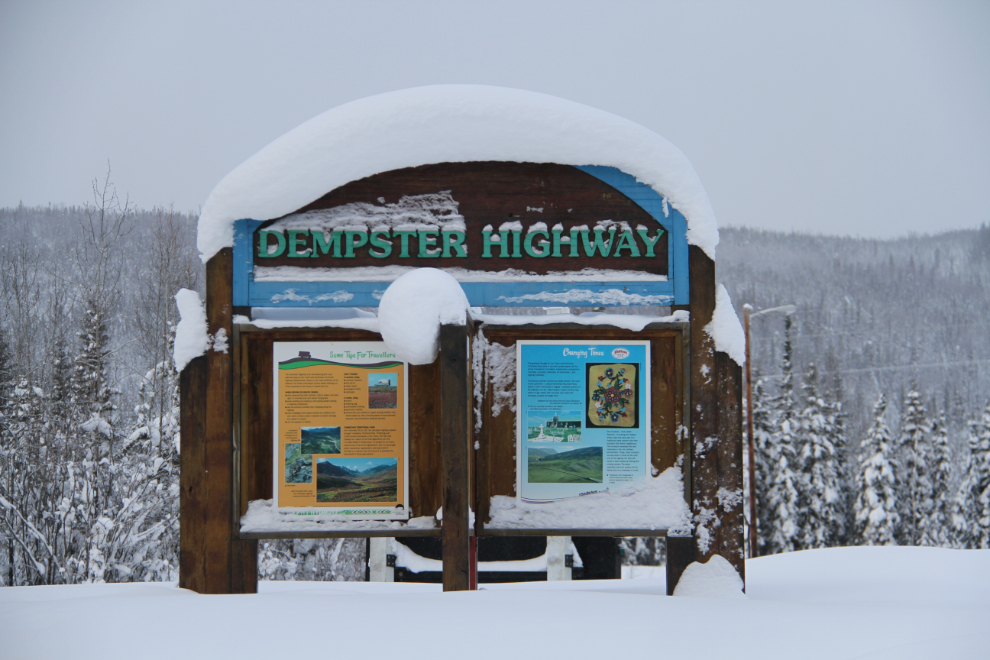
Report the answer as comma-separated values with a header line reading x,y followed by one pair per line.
x,y
455,433
754,526
473,563
730,472
704,406
716,427
214,561
192,516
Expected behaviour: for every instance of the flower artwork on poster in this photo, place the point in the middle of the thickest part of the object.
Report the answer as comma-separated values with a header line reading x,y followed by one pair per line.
x,y
612,392
582,417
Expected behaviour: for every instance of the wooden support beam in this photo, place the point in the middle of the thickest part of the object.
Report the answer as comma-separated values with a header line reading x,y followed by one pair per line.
x,y
192,489
455,434
730,464
704,406
215,562
716,427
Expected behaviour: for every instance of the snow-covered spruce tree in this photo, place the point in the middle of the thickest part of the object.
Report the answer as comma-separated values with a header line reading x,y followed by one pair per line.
x,y
845,468
938,528
27,498
783,517
152,447
8,455
821,511
914,452
97,497
876,498
972,511
763,448
152,454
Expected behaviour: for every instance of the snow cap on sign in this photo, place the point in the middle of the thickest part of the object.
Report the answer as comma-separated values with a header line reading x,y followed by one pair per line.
x,y
447,123
413,308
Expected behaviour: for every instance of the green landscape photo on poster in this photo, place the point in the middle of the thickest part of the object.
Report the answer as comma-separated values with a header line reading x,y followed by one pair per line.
x,y
298,466
565,466
320,439
383,390
357,479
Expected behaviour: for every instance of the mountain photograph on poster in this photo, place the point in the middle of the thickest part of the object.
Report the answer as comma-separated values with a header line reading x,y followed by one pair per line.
x,y
565,466
320,439
357,480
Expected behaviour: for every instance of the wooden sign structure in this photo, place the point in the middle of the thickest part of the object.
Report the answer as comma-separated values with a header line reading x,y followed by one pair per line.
x,y
514,234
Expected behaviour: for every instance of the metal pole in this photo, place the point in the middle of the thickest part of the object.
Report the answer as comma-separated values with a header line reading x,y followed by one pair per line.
x,y
747,309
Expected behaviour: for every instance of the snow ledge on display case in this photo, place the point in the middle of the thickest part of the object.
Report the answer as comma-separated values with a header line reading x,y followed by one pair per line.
x,y
262,517
649,503
440,124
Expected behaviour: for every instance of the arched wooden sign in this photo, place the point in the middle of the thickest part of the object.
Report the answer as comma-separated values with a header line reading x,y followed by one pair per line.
x,y
513,234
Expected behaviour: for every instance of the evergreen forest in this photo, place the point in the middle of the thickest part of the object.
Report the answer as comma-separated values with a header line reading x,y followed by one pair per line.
x,y
871,400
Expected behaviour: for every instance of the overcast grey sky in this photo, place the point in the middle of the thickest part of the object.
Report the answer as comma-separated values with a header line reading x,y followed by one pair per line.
x,y
863,118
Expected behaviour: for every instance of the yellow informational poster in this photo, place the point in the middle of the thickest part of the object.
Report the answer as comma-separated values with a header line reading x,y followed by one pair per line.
x,y
340,430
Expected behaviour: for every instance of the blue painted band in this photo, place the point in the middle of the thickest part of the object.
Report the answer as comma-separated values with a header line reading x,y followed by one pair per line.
x,y
243,261
489,294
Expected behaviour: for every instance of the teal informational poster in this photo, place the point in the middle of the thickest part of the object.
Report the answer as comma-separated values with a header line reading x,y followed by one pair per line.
x,y
582,417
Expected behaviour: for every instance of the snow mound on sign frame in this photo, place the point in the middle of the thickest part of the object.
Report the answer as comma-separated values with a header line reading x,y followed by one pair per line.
x,y
412,309
191,336
725,329
715,578
447,123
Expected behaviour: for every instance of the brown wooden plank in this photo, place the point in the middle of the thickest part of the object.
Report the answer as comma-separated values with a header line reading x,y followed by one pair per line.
x,y
455,433
244,554
682,371
499,436
425,463
257,456
704,405
192,457
730,473
219,428
664,398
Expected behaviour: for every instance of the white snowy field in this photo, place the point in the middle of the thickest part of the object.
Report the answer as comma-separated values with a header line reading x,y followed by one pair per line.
x,y
838,603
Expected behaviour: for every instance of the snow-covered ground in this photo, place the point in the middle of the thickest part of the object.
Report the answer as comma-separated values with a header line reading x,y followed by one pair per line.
x,y
839,603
